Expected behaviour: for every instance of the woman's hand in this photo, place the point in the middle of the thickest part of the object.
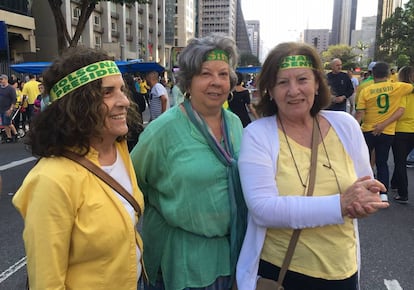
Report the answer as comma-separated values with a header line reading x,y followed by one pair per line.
x,y
362,198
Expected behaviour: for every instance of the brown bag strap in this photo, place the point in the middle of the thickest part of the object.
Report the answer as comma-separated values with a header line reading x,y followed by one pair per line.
x,y
312,176
104,177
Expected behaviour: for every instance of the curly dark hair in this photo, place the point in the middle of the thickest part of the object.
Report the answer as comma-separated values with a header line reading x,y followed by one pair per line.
x,y
76,118
267,77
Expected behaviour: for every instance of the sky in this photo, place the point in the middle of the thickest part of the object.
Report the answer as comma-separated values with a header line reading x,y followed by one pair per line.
x,y
284,20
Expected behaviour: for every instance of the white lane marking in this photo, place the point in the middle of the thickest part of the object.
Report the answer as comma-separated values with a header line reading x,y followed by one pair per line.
x,y
392,285
17,163
13,269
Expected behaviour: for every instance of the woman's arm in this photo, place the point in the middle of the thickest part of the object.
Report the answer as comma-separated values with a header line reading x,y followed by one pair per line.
x,y
257,165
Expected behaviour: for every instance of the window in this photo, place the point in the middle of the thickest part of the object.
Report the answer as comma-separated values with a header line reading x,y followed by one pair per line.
x,y
97,20
113,26
76,12
98,41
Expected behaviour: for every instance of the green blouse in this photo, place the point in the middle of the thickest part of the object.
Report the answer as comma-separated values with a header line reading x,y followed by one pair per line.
x,y
186,223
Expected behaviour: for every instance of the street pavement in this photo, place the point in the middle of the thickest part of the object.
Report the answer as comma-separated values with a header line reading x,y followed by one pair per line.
x,y
387,238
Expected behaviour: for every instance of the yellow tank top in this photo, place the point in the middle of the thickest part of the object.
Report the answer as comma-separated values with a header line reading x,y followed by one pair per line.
x,y
327,252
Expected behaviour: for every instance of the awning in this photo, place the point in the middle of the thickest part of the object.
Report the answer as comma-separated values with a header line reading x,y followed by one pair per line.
x,y
249,69
124,66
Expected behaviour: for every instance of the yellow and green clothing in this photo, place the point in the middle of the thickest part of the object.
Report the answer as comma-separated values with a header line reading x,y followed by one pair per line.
x,y
77,233
321,251
380,100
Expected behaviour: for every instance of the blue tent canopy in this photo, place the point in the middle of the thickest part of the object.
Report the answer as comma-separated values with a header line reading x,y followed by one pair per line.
x,y
249,69
124,66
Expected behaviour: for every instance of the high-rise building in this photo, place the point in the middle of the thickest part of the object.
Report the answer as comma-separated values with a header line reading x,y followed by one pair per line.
x,y
343,21
319,38
217,16
184,22
366,36
253,31
242,36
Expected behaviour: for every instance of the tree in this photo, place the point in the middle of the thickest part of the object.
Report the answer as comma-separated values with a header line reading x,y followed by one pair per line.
x,y
343,52
86,7
396,41
361,46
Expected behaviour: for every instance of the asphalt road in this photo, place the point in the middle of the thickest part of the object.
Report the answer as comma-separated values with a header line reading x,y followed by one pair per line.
x,y
387,238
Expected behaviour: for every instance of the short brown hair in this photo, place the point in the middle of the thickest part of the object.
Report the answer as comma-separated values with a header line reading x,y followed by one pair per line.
x,y
267,77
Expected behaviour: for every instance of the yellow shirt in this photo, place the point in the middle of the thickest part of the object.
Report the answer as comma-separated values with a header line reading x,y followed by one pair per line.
x,y
78,234
380,100
362,85
394,77
143,87
31,90
327,252
406,122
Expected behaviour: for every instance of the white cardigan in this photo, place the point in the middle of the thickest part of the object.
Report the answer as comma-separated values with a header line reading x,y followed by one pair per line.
x,y
258,165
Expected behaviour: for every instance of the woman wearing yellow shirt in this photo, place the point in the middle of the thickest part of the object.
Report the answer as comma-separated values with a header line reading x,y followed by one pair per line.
x,y
79,233
403,140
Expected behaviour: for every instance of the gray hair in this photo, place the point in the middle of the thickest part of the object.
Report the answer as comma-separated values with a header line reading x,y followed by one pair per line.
x,y
193,56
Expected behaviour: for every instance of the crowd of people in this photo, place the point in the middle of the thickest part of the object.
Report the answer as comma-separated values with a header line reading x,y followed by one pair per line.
x,y
226,197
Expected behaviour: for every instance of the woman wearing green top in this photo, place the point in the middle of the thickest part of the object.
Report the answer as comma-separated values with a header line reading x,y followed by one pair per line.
x,y
186,163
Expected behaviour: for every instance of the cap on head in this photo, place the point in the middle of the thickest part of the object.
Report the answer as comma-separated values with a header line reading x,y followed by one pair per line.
x,y
3,76
371,65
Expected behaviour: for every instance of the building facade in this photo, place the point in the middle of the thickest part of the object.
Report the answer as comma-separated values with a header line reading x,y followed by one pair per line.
x,y
149,32
343,21
17,33
319,38
253,31
217,16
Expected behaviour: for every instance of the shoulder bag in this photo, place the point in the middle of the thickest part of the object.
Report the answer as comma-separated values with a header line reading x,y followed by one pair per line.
x,y
269,284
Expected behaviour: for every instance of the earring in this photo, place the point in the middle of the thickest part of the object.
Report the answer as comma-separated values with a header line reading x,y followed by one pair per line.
x,y
231,97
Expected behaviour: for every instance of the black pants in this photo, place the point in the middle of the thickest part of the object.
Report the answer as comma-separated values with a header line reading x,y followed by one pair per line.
x,y
402,146
297,281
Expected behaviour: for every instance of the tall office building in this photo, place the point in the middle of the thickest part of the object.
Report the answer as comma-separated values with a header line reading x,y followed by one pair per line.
x,y
184,22
253,31
217,16
319,38
242,37
343,21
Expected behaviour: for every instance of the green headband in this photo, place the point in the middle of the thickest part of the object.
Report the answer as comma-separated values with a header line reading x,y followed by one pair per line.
x,y
217,54
83,76
296,61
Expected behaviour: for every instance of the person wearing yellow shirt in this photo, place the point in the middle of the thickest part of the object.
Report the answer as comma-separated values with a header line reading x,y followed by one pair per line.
x,y
31,91
393,75
79,233
379,107
143,89
403,140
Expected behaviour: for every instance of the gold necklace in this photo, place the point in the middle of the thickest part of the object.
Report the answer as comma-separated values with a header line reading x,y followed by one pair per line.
x,y
329,165
291,154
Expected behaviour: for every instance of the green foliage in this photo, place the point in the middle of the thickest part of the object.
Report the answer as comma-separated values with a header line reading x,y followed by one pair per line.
x,y
343,52
249,59
396,43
